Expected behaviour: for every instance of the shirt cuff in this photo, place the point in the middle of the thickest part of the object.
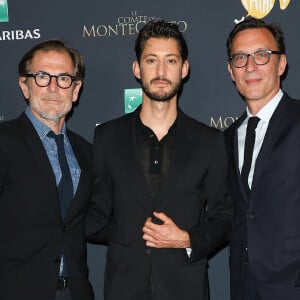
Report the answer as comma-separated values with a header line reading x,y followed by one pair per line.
x,y
188,251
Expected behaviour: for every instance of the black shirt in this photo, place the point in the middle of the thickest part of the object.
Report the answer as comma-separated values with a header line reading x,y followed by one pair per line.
x,y
154,157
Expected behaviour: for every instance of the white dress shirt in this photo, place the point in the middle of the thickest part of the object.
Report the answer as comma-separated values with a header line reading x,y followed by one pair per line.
x,y
265,115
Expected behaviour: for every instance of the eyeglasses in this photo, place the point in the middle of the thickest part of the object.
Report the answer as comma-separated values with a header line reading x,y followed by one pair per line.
x,y
260,57
43,79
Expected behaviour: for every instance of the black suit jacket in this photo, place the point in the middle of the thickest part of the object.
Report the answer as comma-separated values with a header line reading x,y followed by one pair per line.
x,y
268,223
197,175
32,232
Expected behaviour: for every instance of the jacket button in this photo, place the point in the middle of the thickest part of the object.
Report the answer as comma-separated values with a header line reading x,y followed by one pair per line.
x,y
250,216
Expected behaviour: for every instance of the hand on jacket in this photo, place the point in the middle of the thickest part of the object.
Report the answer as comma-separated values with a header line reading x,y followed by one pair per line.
x,y
165,235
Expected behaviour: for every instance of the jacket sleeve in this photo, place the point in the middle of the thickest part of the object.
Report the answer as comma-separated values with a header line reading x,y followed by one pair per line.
x,y
214,232
98,220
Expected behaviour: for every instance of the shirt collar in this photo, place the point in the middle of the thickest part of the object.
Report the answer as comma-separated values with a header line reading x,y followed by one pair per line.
x,y
267,111
41,128
145,131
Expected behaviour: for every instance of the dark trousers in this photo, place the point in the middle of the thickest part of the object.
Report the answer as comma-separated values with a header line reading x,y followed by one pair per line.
x,y
250,291
149,293
63,294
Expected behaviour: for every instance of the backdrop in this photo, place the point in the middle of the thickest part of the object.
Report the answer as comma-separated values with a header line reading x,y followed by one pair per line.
x,y
104,32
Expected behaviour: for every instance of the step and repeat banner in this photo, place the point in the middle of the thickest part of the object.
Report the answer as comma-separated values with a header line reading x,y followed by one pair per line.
x,y
105,31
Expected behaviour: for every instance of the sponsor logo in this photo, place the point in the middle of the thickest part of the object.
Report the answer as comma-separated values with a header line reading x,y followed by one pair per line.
x,y
11,35
18,34
3,11
123,26
261,8
132,99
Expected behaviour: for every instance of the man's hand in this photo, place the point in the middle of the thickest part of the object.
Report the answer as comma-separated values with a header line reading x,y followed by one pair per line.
x,y
166,235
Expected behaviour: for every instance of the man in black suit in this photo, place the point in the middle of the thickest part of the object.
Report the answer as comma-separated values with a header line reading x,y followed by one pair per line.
x,y
156,169
42,241
265,172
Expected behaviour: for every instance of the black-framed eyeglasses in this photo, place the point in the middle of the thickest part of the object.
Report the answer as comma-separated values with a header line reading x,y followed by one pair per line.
x,y
43,79
260,57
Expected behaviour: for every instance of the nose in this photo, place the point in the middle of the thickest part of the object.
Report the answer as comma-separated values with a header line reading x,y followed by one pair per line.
x,y
53,84
161,68
251,65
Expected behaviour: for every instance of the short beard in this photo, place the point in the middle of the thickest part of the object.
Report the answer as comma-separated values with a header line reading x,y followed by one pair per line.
x,y
51,117
54,117
161,97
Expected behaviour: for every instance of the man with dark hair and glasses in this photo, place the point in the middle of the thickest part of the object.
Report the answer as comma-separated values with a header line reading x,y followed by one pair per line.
x,y
45,183
264,147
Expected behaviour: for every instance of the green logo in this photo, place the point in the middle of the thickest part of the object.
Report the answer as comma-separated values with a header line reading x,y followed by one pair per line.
x,y
132,99
3,11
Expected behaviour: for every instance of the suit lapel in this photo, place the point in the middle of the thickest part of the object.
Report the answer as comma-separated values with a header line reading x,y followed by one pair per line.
x,y
39,155
130,158
181,143
35,145
276,125
180,153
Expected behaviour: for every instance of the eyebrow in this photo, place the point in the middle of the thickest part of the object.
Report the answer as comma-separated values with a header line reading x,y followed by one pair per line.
x,y
167,55
258,49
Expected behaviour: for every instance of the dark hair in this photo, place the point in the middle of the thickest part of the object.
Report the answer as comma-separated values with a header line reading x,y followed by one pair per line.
x,y
160,29
53,45
252,23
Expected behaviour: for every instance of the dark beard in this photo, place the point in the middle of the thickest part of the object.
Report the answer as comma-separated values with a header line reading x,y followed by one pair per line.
x,y
161,97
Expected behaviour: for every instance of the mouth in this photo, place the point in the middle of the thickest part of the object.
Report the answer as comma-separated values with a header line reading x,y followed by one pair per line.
x,y
52,99
160,82
252,81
